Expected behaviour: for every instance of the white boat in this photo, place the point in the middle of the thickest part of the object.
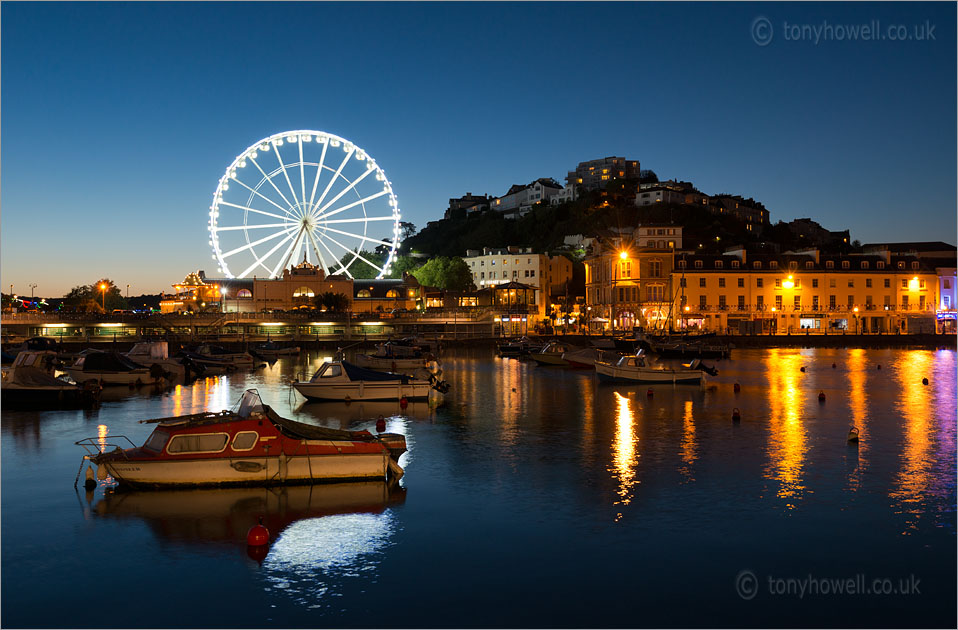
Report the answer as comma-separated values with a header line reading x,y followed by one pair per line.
x,y
112,368
216,357
635,368
272,350
150,353
340,380
582,358
553,354
31,381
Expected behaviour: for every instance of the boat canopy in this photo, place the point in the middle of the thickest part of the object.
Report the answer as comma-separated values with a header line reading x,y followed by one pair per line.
x,y
108,362
356,373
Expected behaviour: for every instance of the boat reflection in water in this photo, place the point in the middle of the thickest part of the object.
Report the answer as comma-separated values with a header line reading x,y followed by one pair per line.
x,y
225,515
345,414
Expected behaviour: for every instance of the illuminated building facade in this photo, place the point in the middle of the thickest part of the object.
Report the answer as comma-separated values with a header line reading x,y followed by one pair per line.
x,y
595,174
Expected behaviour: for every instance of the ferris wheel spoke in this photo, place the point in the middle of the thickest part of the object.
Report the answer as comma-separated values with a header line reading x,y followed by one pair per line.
x,y
356,255
302,173
256,192
251,227
259,261
285,257
319,170
270,180
282,165
360,220
360,236
269,214
351,205
319,254
335,177
254,243
332,257
344,191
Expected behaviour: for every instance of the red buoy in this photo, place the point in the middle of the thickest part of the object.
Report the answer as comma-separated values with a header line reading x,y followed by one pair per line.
x,y
380,424
736,416
258,535
821,396
403,402
736,388
649,393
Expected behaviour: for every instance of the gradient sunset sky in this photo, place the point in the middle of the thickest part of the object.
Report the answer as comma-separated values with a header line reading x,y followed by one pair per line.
x,y
118,119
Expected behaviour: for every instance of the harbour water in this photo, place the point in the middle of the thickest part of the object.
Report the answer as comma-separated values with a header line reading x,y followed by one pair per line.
x,y
533,497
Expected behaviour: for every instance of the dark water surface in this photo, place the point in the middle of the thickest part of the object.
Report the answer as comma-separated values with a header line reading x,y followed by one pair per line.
x,y
532,497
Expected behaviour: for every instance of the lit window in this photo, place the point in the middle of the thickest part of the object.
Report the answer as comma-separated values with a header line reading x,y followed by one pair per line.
x,y
364,293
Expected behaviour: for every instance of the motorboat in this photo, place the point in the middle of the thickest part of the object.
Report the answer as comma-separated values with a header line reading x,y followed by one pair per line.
x,y
553,354
216,357
688,347
150,353
393,357
270,351
113,368
250,446
31,382
582,357
344,381
517,347
638,369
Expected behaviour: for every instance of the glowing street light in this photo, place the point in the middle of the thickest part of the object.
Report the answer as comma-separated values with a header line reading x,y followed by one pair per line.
x,y
103,291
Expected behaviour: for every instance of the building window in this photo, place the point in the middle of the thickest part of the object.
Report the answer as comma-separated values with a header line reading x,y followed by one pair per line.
x,y
829,264
759,282
851,284
914,265
722,302
364,293
798,302
702,282
756,265
303,292
244,294
482,263
778,283
868,283
719,264
741,302
721,283
773,264
655,269
864,264
887,283
656,292
880,264
778,302
392,293
846,264
792,265
681,264
904,284
532,273
832,283
702,303
831,302
682,282
947,283
809,264
814,302
698,264
482,275
735,264
851,302
760,302
814,283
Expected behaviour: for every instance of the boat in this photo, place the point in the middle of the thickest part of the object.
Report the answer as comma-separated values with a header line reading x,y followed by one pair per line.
x,y
270,351
636,368
686,347
250,446
31,382
517,347
150,353
113,368
853,435
582,357
393,357
216,357
341,380
553,354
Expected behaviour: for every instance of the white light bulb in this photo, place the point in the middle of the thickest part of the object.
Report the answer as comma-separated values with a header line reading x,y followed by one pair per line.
x,y
226,186
242,164
253,155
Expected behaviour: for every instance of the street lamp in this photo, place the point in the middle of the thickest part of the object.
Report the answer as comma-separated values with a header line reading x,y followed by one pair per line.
x,y
855,311
623,255
103,291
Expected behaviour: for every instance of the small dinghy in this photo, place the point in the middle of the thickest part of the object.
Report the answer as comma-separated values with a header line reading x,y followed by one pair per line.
x,y
853,435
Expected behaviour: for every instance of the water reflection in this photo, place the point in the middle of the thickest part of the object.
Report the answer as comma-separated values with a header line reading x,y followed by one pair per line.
x,y
688,451
786,444
224,515
624,455
915,406
858,415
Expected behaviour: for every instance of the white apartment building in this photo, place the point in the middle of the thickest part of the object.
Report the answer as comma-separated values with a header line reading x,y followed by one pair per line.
x,y
664,236
494,266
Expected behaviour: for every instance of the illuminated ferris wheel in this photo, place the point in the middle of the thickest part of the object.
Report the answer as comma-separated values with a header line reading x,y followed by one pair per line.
x,y
302,195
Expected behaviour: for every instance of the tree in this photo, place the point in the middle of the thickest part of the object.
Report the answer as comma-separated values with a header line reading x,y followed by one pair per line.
x,y
407,229
402,264
452,274
103,295
336,302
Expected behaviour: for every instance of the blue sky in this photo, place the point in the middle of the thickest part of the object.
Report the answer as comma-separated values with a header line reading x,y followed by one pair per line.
x,y
119,119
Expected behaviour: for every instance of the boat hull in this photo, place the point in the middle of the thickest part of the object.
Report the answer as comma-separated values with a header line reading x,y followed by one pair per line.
x,y
238,470
612,373
550,360
363,390
135,377
387,363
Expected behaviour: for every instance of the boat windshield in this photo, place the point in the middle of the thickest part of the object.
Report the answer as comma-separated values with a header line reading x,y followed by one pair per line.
x,y
156,441
250,404
329,370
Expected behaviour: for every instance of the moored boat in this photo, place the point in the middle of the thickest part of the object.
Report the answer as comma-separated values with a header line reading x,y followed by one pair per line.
x,y
340,380
582,358
391,356
216,357
270,351
553,354
150,353
636,368
113,368
251,446
31,382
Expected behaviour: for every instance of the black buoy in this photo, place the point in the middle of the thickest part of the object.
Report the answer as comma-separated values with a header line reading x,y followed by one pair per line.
x,y
834,366
821,396
801,369
879,366
736,416
90,482
736,388
924,381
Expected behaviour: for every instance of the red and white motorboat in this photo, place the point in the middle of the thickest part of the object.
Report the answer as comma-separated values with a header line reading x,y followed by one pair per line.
x,y
250,446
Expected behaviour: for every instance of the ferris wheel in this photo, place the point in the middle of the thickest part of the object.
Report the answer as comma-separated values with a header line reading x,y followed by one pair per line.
x,y
303,195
